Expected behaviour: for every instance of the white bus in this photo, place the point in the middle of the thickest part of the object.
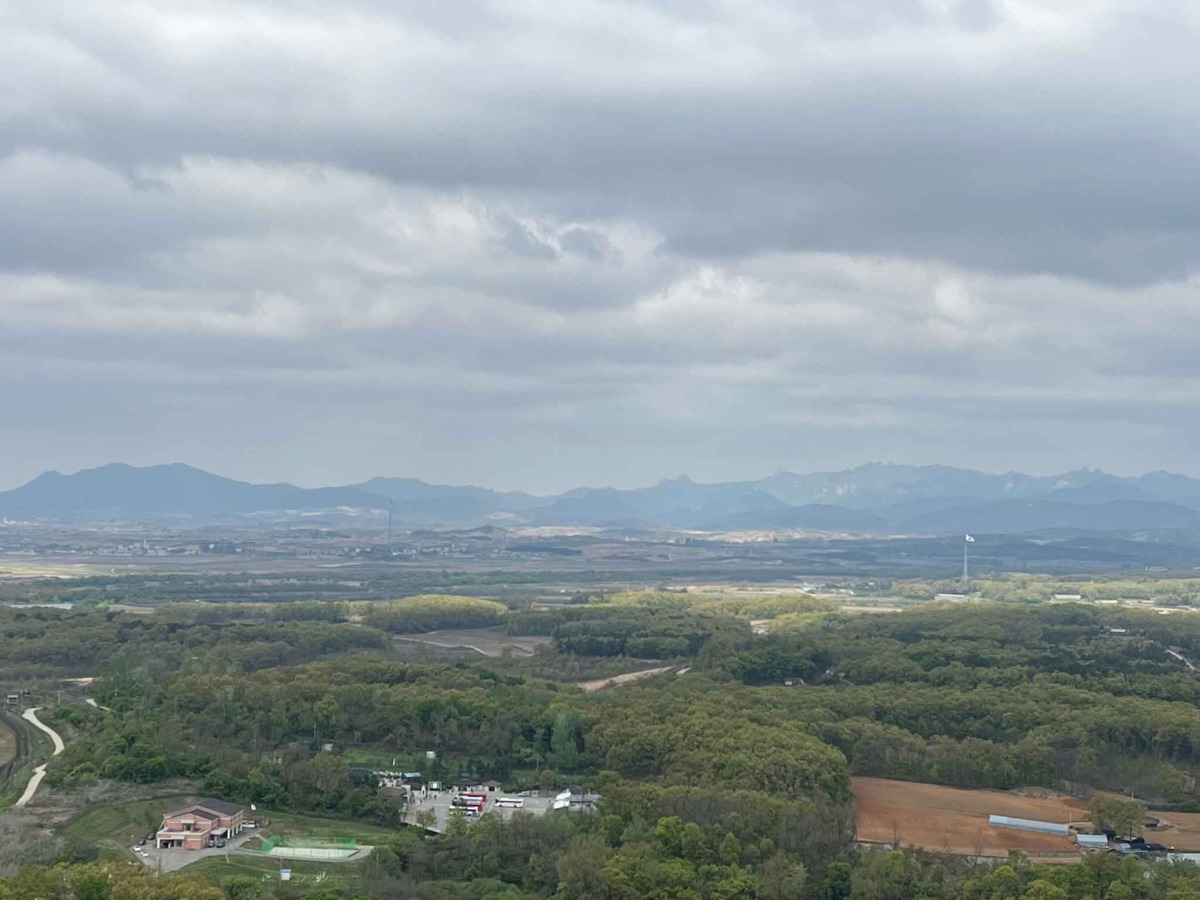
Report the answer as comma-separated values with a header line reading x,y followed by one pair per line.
x,y
518,802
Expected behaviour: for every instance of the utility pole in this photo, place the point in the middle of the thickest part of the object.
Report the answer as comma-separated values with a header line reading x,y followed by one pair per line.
x,y
391,505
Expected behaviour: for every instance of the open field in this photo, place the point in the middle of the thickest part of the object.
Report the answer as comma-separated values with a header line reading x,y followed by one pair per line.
x,y
953,820
485,641
319,827
1175,829
40,567
956,821
113,828
308,875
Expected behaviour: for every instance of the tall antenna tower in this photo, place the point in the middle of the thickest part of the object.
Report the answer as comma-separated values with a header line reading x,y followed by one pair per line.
x,y
391,503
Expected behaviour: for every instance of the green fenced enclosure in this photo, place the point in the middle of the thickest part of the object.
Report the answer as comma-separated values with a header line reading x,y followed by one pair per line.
x,y
294,846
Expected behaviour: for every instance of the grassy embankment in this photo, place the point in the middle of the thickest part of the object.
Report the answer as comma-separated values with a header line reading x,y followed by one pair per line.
x,y
113,829
8,744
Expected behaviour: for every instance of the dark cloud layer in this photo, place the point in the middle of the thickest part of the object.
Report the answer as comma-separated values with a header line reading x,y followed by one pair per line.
x,y
533,244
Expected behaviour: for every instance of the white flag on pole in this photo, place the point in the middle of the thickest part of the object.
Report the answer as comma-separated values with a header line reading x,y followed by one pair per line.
x,y
970,540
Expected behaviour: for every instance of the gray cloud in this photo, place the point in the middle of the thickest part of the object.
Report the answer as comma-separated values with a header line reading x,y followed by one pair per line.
x,y
532,245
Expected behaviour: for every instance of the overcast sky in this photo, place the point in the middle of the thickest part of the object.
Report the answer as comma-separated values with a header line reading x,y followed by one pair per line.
x,y
543,244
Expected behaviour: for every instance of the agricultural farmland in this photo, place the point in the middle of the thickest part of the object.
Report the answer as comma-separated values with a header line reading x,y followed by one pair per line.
x,y
951,820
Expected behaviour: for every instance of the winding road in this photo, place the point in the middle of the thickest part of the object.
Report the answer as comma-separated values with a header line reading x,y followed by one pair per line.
x,y
30,715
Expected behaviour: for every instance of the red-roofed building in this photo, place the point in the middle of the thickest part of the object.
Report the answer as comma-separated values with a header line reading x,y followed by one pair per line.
x,y
200,825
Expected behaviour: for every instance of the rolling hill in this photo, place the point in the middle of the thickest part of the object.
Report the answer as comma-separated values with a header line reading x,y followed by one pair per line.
x,y
876,498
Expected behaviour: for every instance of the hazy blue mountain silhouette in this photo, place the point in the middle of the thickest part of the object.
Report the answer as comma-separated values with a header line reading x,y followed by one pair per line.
x,y
873,498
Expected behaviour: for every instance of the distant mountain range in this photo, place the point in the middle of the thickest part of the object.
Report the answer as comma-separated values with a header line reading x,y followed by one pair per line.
x,y
876,498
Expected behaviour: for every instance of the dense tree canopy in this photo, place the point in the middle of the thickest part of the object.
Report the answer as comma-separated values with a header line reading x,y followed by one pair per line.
x,y
728,779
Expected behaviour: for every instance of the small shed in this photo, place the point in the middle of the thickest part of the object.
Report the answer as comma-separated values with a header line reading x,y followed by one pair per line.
x,y
1029,825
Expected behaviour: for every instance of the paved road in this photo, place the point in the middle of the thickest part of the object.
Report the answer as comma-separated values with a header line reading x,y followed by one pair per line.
x,y
30,715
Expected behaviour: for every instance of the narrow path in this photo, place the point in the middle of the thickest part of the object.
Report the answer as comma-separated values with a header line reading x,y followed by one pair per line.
x,y
94,705
30,715
602,683
1183,659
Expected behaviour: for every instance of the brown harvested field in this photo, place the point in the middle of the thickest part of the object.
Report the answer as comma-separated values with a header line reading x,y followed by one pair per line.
x,y
1178,830
486,641
956,821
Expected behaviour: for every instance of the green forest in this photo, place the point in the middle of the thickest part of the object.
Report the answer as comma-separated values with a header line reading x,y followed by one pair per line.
x,y
728,776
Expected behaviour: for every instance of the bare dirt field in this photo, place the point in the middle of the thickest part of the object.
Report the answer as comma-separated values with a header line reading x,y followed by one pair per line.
x,y
43,568
486,641
956,821
951,820
1178,830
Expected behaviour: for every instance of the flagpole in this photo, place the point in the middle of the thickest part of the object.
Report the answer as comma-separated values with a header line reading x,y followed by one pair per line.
x,y
965,542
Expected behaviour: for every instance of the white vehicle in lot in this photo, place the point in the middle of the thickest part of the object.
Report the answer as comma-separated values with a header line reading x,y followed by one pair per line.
x,y
517,802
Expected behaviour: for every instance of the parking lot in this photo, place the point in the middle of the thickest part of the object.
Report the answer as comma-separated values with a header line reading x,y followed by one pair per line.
x,y
171,860
440,802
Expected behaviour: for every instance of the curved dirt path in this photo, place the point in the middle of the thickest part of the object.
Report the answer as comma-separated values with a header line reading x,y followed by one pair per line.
x,y
1183,659
30,715
601,683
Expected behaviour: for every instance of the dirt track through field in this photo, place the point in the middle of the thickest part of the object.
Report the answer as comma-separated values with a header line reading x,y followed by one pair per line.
x,y
601,683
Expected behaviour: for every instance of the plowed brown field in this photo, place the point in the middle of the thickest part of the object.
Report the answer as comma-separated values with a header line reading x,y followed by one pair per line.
x,y
951,820
1178,830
